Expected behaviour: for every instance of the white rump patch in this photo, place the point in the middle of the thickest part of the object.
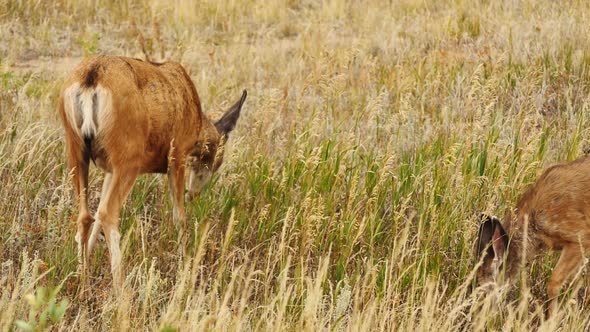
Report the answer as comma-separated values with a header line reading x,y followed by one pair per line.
x,y
88,128
70,103
81,104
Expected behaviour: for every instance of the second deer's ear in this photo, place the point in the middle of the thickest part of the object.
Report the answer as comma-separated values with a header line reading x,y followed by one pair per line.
x,y
492,239
484,236
499,239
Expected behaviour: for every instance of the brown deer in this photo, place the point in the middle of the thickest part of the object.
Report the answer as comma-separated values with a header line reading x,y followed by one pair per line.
x,y
131,117
554,214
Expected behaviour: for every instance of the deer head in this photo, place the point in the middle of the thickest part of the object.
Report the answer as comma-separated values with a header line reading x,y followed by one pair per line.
x,y
207,155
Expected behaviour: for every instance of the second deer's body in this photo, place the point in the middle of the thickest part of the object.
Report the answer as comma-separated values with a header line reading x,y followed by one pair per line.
x,y
553,214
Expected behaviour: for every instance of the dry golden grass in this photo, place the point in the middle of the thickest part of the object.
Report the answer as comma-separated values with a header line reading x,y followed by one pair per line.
x,y
373,135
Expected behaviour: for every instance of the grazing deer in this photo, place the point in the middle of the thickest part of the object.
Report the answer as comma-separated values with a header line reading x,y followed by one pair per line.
x,y
554,213
131,117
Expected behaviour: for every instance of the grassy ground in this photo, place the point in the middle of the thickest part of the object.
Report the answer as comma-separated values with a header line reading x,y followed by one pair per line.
x,y
373,135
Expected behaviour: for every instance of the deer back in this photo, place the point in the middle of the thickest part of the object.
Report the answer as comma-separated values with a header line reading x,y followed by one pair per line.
x,y
557,207
139,110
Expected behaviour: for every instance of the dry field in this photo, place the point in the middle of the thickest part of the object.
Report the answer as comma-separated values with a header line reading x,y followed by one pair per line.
x,y
373,135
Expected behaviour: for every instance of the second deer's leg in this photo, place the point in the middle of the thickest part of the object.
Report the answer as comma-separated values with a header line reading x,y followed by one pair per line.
x,y
108,212
570,260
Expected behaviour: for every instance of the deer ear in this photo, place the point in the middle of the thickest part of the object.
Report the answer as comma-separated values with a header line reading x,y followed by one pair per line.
x,y
491,232
499,239
484,236
228,121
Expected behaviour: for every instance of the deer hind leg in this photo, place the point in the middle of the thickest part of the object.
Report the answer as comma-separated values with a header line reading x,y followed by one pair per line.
x,y
80,166
97,226
176,171
569,262
109,209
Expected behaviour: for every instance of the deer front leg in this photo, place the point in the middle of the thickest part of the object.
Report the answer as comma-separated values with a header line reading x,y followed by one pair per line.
x,y
176,172
570,260
108,213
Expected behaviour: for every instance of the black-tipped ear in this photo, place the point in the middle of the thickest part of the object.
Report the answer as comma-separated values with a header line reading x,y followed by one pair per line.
x,y
484,236
228,121
491,232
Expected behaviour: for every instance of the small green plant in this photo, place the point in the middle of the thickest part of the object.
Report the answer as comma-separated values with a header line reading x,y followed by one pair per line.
x,y
168,328
89,43
44,310
6,79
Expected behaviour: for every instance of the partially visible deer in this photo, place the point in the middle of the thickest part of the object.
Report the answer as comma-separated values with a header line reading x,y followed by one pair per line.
x,y
131,117
554,214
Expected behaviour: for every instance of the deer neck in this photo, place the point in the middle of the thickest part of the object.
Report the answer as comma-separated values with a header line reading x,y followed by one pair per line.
x,y
208,134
